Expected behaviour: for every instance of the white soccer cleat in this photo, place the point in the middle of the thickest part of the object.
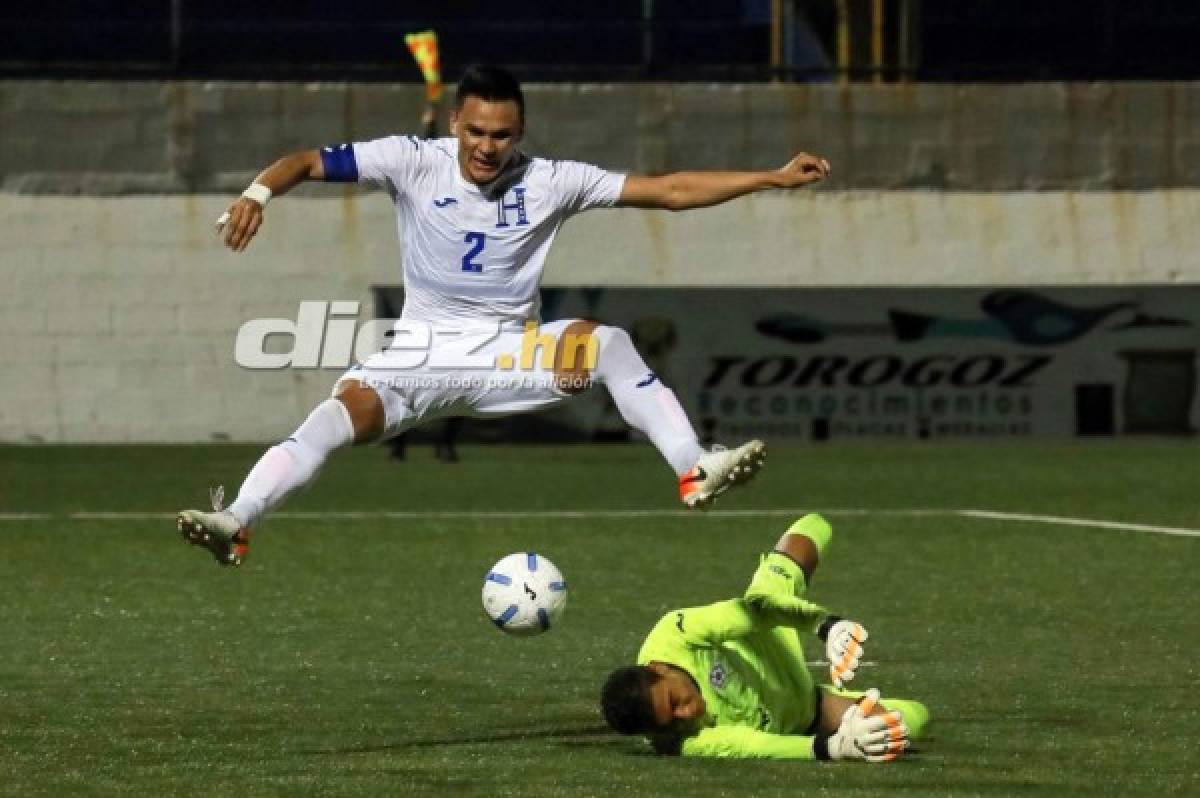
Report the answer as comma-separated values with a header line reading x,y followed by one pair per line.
x,y
720,469
218,531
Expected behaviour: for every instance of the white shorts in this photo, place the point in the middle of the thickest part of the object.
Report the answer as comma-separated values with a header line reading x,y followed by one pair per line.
x,y
459,373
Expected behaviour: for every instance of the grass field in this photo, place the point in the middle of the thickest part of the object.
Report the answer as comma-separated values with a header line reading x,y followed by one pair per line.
x,y
351,657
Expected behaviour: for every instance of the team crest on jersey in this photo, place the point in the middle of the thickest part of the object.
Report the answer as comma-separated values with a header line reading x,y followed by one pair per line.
x,y
517,205
718,676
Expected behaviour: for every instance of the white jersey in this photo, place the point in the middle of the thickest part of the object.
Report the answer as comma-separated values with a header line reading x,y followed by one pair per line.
x,y
472,254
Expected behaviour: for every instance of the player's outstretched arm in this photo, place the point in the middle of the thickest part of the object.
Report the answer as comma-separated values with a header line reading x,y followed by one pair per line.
x,y
238,224
681,191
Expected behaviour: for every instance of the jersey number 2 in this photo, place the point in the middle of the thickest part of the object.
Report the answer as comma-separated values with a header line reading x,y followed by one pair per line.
x,y
476,240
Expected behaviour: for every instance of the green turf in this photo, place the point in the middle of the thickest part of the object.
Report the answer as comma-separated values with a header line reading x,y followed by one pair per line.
x,y
352,658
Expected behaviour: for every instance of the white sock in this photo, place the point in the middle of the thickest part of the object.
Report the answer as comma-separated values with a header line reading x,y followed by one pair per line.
x,y
645,403
293,463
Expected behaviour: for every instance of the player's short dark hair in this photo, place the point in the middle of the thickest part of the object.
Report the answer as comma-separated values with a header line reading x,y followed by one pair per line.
x,y
625,699
491,83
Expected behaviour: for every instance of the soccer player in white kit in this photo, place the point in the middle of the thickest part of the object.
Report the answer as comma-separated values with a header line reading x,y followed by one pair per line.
x,y
477,218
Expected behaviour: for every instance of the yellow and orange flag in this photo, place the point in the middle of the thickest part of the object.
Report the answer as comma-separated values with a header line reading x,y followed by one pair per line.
x,y
424,49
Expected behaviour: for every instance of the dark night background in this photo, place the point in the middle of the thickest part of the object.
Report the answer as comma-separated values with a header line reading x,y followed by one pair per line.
x,y
546,40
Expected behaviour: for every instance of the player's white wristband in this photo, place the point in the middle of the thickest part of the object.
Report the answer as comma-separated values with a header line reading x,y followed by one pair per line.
x,y
259,193
255,191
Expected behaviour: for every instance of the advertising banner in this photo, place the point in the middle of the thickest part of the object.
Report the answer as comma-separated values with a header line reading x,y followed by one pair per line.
x,y
937,363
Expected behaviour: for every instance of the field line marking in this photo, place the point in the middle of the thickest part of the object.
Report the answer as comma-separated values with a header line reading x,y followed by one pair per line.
x,y
1088,522
484,515
823,663
118,516
400,515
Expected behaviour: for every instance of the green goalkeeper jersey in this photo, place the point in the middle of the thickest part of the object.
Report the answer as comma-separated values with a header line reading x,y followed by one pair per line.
x,y
760,699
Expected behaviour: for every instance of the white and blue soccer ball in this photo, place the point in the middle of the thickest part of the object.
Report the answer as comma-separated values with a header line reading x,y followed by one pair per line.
x,y
524,594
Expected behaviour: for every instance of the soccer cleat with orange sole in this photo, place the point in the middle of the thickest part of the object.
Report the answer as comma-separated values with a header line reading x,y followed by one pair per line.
x,y
219,532
719,470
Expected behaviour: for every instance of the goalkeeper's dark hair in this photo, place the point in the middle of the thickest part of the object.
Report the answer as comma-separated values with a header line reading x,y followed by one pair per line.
x,y
625,699
491,83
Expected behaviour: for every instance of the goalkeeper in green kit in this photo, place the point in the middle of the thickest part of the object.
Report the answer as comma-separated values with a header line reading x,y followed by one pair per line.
x,y
729,679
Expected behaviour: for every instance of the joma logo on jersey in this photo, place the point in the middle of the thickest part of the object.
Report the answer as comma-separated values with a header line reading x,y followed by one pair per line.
x,y
718,676
518,205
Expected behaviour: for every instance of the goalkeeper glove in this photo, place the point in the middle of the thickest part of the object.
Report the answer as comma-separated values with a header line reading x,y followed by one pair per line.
x,y
843,646
875,738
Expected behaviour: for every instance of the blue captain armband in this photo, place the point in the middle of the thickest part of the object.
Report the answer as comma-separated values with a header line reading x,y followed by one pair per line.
x,y
339,163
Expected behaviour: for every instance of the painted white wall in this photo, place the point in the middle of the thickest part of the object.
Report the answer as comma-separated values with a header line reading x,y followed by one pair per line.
x,y
118,315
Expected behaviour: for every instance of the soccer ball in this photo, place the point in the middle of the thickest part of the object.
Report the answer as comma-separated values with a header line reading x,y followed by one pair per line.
x,y
524,594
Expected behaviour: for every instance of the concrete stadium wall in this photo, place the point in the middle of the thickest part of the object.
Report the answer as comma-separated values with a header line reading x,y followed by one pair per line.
x,y
119,310
118,315
76,137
